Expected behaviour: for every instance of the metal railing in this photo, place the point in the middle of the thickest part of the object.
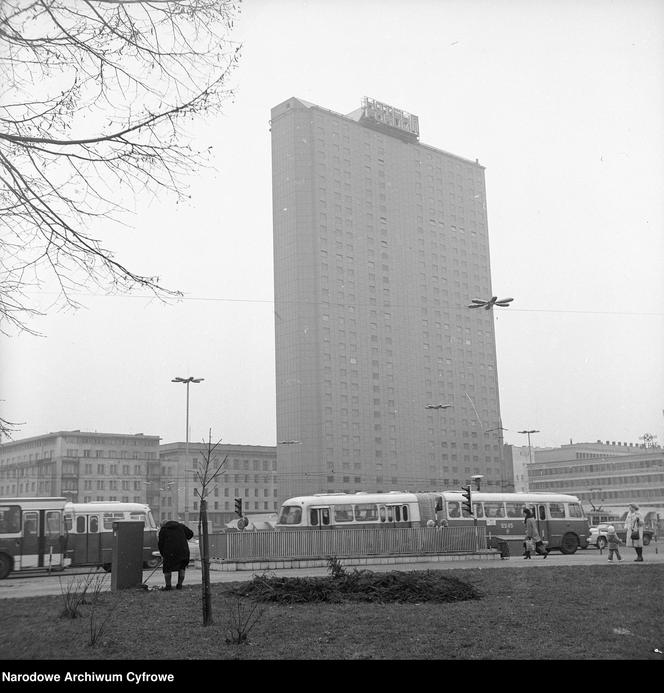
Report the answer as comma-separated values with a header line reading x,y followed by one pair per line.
x,y
370,541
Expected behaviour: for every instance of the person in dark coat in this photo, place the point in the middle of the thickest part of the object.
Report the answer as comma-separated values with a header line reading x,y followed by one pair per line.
x,y
531,533
174,550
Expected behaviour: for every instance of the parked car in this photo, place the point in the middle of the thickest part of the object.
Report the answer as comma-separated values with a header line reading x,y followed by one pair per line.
x,y
597,536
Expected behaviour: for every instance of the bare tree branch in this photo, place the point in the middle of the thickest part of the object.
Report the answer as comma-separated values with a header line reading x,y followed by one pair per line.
x,y
95,96
93,102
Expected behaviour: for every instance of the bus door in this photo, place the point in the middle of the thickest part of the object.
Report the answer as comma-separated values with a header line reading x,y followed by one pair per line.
x,y
319,517
542,522
53,539
31,551
86,540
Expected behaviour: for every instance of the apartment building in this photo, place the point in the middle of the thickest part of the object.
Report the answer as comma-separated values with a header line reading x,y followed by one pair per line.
x,y
81,466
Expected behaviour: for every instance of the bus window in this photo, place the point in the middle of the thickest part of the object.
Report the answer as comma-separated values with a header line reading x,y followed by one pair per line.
x,y
494,509
514,509
290,515
93,524
343,513
109,518
52,523
80,524
10,519
404,512
556,510
381,513
477,509
453,509
68,522
390,513
139,516
366,512
319,516
575,510
542,512
30,524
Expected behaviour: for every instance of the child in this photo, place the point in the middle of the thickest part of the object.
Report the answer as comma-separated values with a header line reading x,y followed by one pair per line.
x,y
528,546
613,542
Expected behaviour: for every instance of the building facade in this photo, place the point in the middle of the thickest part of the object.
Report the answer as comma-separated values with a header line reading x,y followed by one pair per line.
x,y
248,472
380,243
610,475
81,466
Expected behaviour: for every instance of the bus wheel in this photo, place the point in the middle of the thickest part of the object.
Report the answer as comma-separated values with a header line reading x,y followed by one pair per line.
x,y
569,544
5,566
152,563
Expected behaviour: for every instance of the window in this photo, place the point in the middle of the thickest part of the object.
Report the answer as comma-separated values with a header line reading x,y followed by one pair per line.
x,y
93,526
366,512
494,509
514,509
10,519
343,513
290,515
109,518
556,510
575,510
319,516
453,509
52,523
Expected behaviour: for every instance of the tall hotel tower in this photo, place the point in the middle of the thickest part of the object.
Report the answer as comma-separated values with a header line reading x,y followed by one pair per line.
x,y
380,243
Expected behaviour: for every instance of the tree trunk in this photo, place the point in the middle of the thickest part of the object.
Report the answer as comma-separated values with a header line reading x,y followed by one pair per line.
x,y
205,564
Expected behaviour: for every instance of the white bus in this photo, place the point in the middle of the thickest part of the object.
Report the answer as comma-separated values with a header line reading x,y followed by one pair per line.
x,y
89,532
31,534
560,517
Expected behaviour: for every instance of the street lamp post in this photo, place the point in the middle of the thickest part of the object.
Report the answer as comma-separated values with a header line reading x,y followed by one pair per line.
x,y
530,451
477,478
187,382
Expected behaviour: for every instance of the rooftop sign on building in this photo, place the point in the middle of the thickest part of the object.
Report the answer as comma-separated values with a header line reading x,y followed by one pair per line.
x,y
376,113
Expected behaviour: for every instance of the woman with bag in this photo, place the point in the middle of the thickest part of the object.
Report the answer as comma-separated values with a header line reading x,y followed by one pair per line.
x,y
532,536
634,530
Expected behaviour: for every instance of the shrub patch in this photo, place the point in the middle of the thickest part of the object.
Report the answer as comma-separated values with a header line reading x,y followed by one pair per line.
x,y
360,586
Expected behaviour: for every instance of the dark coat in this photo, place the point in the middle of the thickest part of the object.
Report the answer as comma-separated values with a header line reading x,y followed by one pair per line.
x,y
173,545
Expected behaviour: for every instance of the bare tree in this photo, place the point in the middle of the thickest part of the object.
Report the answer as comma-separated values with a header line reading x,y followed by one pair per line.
x,y
208,470
94,99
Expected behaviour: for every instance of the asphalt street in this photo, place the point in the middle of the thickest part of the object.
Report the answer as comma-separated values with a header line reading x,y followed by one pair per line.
x,y
16,587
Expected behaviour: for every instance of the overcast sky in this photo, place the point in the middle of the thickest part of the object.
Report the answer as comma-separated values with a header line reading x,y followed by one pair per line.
x,y
561,101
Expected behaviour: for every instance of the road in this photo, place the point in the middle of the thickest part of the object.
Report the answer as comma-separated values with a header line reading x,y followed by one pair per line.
x,y
16,587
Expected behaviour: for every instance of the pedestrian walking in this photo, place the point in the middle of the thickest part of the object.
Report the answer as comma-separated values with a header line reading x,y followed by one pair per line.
x,y
533,535
173,545
613,542
634,530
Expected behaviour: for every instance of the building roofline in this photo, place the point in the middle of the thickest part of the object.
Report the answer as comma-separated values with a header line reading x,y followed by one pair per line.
x,y
77,432
308,104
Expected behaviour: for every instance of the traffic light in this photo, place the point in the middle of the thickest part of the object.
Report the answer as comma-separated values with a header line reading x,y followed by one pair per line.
x,y
467,502
238,507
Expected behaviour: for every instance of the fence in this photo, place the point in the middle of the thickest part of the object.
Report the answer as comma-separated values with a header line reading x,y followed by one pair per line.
x,y
317,544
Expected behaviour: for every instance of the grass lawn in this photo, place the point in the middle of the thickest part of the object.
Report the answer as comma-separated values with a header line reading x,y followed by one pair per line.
x,y
581,612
